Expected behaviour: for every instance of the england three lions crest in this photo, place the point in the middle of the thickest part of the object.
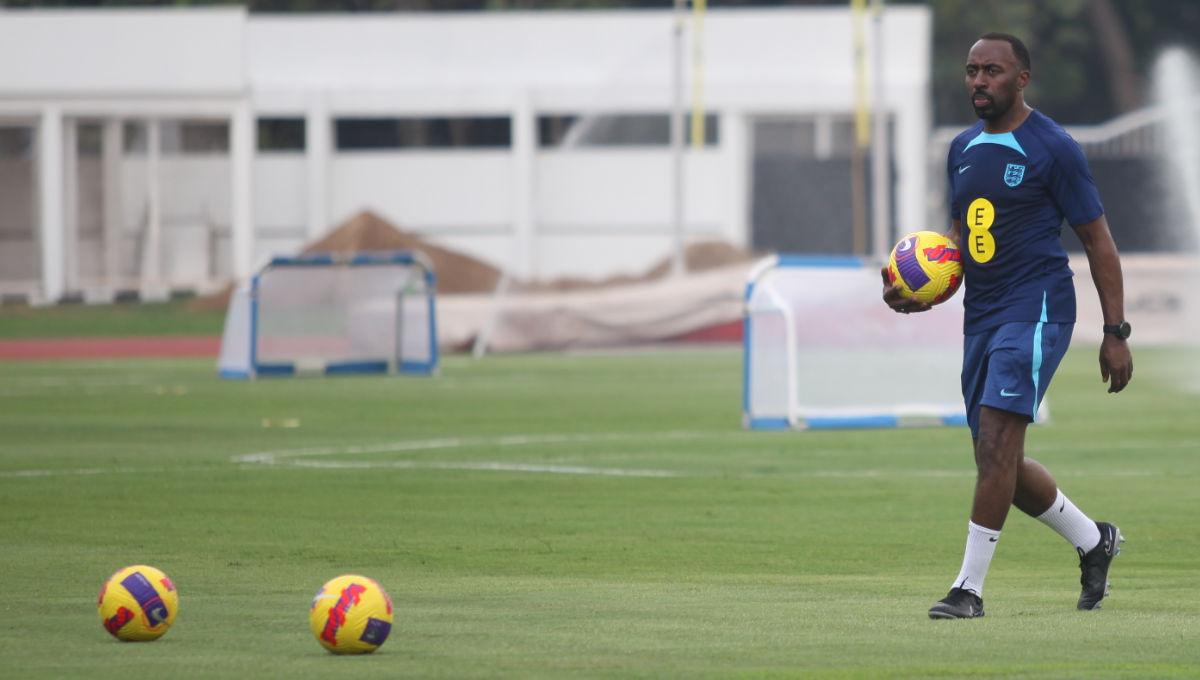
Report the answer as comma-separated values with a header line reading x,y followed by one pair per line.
x,y
1013,174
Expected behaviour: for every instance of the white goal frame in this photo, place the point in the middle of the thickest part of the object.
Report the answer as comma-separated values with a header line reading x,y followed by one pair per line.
x,y
786,387
241,344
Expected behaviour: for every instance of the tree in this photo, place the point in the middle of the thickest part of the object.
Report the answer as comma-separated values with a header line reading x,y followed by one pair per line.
x,y
1090,57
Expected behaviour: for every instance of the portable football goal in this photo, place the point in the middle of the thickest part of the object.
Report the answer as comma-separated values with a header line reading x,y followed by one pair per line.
x,y
822,350
333,314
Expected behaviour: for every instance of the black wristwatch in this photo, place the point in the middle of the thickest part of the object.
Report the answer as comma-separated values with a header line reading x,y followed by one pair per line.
x,y
1121,330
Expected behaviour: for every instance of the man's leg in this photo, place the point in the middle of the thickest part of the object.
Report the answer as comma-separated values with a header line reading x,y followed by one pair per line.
x,y
1036,489
1097,543
999,451
1039,497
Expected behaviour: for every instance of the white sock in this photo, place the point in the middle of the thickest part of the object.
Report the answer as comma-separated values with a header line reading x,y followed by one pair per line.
x,y
981,545
1070,523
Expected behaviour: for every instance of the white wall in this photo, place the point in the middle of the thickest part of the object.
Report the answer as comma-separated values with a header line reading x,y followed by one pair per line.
x,y
599,211
756,61
50,53
754,58
589,196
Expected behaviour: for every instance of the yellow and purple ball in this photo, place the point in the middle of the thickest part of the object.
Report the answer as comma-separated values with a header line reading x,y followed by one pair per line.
x,y
351,614
927,266
138,603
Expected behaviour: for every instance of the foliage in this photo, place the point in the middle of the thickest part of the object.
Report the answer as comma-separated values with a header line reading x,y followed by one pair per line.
x,y
1064,84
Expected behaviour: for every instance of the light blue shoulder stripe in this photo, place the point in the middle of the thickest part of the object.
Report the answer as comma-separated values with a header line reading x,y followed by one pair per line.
x,y
1003,139
1037,355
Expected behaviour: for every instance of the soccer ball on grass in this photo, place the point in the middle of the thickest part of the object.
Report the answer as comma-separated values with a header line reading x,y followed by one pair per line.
x,y
138,604
351,614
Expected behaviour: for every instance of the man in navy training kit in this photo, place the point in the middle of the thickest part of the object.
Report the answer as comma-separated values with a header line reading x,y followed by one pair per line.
x,y
1014,177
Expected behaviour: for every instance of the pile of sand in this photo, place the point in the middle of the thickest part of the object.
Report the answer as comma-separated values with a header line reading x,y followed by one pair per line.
x,y
366,231
459,273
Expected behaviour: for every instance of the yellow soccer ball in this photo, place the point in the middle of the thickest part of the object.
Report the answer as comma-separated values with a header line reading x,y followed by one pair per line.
x,y
927,265
138,603
351,614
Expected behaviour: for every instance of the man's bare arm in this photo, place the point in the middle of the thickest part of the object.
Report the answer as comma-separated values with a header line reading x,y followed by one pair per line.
x,y
955,232
1116,363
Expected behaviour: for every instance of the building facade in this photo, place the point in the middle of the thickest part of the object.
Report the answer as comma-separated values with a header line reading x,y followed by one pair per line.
x,y
160,149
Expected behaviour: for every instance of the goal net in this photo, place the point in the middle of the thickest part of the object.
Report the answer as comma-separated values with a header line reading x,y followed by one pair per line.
x,y
333,314
821,349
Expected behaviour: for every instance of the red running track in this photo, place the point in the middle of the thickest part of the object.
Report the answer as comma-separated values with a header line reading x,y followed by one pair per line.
x,y
109,348
41,349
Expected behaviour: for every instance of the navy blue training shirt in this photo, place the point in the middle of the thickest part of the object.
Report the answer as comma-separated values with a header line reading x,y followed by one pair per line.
x,y
1012,191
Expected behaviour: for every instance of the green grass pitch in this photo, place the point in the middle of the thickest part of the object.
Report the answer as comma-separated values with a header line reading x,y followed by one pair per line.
x,y
575,515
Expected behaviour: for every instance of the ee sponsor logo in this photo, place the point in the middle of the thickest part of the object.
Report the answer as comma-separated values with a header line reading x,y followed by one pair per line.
x,y
981,245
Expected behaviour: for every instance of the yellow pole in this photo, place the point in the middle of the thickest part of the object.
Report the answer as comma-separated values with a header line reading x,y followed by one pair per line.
x,y
697,128
862,113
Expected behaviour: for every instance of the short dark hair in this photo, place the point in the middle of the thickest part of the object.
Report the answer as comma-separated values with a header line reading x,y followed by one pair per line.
x,y
1018,47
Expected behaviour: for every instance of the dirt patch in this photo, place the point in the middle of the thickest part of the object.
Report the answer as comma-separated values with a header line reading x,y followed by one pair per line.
x,y
460,273
366,231
212,302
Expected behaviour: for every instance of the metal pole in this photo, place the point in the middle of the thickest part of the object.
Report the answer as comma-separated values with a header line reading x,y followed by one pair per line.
x,y
524,149
241,157
71,207
112,151
50,202
318,147
677,112
151,280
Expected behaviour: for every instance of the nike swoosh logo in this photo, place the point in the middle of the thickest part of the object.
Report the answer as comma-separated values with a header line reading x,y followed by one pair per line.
x,y
963,169
1006,393
993,540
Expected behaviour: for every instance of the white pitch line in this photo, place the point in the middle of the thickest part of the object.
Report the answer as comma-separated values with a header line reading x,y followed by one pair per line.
x,y
294,457
299,458
78,472
494,466
277,456
56,473
274,457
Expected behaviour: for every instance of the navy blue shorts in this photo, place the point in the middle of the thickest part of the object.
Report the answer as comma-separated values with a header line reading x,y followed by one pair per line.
x,y
1009,367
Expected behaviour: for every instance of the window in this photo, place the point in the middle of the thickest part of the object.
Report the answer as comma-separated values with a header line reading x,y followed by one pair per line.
x,y
89,139
16,142
195,137
354,134
281,134
179,137
624,129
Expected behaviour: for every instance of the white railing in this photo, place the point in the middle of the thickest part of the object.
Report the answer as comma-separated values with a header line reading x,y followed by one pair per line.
x,y
1137,134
